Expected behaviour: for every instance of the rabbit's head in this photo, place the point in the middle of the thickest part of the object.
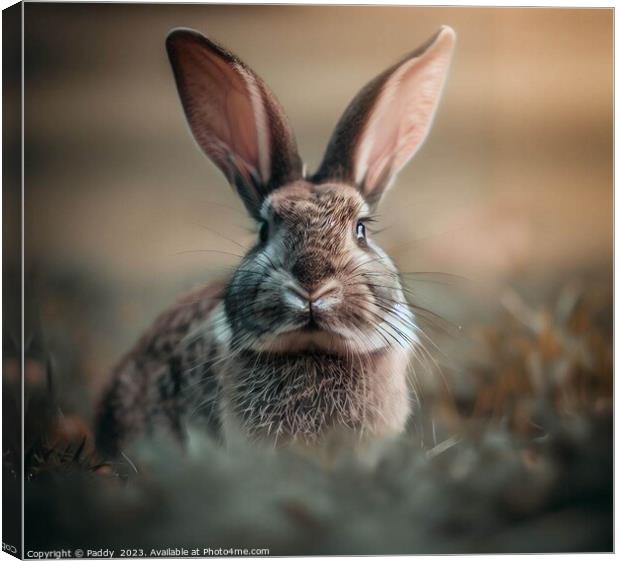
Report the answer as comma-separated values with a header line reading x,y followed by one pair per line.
x,y
315,279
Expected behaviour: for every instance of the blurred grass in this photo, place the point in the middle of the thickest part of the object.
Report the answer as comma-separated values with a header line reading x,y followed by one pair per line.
x,y
509,449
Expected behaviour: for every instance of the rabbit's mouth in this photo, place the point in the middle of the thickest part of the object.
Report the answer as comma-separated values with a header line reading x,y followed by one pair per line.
x,y
311,326
325,333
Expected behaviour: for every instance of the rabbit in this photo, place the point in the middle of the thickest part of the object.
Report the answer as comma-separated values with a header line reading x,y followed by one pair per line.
x,y
311,335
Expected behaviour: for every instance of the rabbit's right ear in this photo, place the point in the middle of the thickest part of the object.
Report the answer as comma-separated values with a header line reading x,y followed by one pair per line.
x,y
234,117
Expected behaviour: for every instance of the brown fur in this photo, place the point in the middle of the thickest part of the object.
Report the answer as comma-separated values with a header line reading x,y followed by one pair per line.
x,y
150,385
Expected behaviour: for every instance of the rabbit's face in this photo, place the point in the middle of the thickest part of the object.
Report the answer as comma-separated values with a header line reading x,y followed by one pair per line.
x,y
316,279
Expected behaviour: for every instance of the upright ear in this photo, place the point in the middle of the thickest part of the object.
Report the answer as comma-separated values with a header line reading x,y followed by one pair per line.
x,y
388,120
234,117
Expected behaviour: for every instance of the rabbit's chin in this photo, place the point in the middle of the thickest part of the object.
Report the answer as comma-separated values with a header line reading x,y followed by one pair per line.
x,y
318,340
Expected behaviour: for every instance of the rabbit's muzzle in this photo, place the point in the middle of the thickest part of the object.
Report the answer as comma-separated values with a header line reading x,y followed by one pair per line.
x,y
312,290
312,269
323,298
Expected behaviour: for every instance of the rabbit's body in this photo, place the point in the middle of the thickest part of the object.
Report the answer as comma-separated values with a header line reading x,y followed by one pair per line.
x,y
163,377
312,335
190,367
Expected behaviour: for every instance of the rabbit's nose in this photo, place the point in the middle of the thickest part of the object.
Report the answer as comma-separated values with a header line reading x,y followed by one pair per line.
x,y
325,296
312,269
296,297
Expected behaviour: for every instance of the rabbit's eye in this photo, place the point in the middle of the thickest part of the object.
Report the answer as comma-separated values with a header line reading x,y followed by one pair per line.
x,y
263,233
360,232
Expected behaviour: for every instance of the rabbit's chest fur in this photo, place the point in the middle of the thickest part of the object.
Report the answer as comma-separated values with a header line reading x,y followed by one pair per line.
x,y
303,397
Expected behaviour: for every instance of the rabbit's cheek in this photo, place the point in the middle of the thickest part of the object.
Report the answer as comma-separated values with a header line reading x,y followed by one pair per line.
x,y
358,299
267,307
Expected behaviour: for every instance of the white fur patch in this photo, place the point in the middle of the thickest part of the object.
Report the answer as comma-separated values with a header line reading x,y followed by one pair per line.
x,y
220,326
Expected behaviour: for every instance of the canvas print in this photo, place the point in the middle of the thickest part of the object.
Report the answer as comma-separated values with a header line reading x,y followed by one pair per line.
x,y
306,280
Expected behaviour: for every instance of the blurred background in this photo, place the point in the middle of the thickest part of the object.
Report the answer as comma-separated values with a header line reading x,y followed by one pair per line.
x,y
514,184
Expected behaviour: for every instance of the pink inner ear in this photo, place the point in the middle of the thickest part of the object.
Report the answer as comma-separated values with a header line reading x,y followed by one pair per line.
x,y
220,111
403,114
242,126
383,141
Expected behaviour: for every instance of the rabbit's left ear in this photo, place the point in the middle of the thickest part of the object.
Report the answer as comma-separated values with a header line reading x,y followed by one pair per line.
x,y
386,123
